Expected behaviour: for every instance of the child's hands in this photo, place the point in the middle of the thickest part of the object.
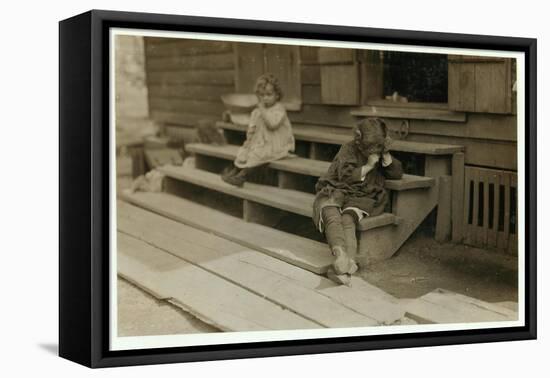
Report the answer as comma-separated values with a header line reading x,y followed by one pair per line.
x,y
373,159
369,166
386,159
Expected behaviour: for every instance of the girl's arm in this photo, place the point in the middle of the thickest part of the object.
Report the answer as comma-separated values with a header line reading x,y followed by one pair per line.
x,y
392,168
252,124
274,116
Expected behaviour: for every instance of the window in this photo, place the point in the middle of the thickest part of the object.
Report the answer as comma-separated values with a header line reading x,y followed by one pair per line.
x,y
419,77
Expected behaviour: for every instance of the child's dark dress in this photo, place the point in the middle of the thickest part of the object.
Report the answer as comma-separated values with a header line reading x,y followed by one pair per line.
x,y
342,186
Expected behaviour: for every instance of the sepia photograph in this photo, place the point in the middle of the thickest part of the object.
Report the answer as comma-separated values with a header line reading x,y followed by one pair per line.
x,y
268,189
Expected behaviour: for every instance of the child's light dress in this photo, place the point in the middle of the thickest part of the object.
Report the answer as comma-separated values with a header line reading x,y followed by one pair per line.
x,y
268,138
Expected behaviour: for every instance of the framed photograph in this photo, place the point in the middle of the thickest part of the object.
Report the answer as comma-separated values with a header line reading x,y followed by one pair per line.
x,y
234,188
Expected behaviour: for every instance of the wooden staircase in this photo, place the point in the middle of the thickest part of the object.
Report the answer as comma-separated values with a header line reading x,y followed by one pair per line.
x,y
217,251
195,195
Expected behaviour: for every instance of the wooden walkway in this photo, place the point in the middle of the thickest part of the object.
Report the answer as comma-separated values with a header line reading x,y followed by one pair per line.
x,y
224,280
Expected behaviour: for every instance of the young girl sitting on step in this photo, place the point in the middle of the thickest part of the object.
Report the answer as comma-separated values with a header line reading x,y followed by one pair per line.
x,y
352,189
269,135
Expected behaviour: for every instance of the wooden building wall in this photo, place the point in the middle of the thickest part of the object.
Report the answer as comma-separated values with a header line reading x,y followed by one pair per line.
x,y
187,77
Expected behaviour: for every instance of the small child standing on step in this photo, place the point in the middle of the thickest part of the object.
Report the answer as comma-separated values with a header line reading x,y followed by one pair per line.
x,y
352,189
269,136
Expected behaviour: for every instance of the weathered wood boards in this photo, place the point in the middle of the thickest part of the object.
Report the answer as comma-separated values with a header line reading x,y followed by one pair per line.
x,y
193,288
442,306
293,201
305,253
335,135
288,286
310,167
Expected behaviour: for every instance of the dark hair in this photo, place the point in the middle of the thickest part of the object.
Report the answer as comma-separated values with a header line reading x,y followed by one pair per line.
x,y
266,79
371,131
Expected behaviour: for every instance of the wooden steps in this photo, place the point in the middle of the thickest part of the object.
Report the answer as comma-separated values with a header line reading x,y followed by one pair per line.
x,y
309,167
302,252
338,135
443,306
292,201
303,293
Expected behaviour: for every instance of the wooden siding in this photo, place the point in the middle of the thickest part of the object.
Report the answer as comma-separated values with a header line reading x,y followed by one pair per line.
x,y
186,79
481,84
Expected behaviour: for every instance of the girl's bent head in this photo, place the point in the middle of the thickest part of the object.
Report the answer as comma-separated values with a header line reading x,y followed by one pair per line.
x,y
370,136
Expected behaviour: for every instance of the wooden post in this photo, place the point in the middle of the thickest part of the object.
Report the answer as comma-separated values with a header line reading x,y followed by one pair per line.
x,y
443,222
314,151
439,167
457,211
256,213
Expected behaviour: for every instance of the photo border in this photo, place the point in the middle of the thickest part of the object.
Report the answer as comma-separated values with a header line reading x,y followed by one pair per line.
x,y
84,272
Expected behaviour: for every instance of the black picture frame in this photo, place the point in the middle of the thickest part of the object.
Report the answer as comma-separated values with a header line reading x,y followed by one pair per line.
x,y
84,187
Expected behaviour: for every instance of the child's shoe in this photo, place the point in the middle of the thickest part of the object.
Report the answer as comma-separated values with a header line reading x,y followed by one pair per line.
x,y
340,279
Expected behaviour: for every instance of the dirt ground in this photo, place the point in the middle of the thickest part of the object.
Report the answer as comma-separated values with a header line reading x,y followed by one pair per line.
x,y
421,266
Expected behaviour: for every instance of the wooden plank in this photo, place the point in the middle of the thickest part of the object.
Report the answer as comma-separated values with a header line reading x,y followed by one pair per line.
x,y
462,86
436,166
334,55
199,77
441,306
443,221
179,47
411,208
326,114
513,244
311,94
457,210
475,216
409,113
309,54
254,271
190,92
295,250
183,106
493,231
505,235
340,84
222,61
256,213
492,92
485,230
288,200
467,199
477,126
181,119
311,74
199,292
249,65
309,167
328,135
488,153
283,61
